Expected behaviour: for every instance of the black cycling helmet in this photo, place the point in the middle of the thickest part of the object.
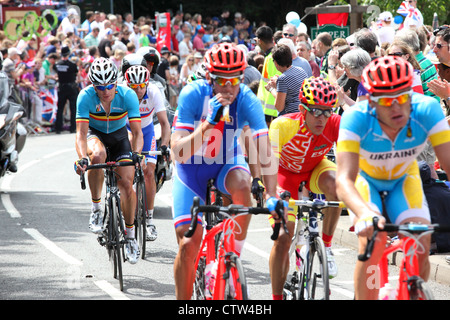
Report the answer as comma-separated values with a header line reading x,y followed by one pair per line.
x,y
150,55
132,59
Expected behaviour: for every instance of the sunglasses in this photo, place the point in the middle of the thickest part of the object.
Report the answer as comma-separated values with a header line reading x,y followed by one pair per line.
x,y
440,45
106,87
396,54
223,81
387,101
288,35
137,85
318,112
436,31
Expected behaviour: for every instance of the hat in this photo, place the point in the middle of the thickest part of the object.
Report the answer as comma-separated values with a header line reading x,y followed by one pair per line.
x,y
65,51
165,50
201,30
264,33
198,55
425,172
385,16
108,31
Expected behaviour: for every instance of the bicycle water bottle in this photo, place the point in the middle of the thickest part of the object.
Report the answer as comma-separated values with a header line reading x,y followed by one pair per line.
x,y
298,246
313,225
210,278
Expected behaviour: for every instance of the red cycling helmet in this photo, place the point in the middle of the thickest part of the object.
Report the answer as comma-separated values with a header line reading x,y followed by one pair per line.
x,y
317,91
225,58
387,74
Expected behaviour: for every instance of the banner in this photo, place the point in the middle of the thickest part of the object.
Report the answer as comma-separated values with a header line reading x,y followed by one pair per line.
x,y
163,26
339,19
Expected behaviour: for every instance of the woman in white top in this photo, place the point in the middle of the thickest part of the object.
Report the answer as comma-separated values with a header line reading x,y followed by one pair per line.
x,y
187,69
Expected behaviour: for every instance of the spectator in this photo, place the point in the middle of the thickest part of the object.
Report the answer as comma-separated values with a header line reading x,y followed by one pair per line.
x,y
14,73
92,39
285,88
164,66
296,60
85,27
386,32
197,42
322,49
354,62
185,47
174,80
428,71
401,49
187,69
264,39
144,40
251,74
129,22
304,51
367,40
105,46
67,90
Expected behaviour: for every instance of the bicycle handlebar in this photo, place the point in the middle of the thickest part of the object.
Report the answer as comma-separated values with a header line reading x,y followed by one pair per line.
x,y
317,204
231,209
414,228
110,164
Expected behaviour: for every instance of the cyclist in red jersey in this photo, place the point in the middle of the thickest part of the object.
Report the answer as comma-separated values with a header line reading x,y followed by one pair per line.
x,y
300,142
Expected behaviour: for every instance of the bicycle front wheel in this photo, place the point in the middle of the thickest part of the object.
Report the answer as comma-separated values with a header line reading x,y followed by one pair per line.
x,y
236,284
198,292
141,216
115,244
318,280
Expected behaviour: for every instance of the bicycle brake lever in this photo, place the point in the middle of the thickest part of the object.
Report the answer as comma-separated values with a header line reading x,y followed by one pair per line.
x,y
82,181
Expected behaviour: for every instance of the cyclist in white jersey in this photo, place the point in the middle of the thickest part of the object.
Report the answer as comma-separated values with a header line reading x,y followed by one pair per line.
x,y
379,141
151,102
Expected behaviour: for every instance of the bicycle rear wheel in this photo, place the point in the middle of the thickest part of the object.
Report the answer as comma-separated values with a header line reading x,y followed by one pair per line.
x,y
318,280
236,284
419,290
141,216
115,250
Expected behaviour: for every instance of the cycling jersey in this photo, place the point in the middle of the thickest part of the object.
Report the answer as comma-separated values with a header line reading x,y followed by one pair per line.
x,y
125,104
381,158
151,103
298,149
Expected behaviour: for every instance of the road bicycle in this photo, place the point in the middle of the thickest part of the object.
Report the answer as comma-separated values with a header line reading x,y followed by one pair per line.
x,y
309,280
410,285
113,235
219,271
141,213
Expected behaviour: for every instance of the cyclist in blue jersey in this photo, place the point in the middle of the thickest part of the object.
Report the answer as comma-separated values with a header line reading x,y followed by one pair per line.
x,y
379,141
102,111
208,122
151,102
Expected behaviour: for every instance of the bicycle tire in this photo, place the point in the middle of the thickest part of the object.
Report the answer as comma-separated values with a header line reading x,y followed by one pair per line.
x,y
419,290
141,216
318,282
116,254
198,292
236,284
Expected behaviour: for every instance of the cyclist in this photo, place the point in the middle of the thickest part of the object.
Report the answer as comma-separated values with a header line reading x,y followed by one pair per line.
x,y
380,139
211,113
300,142
102,110
150,102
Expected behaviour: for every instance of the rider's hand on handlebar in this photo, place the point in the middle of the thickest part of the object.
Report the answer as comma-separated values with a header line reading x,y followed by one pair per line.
x,y
139,158
364,225
165,152
257,186
272,204
80,165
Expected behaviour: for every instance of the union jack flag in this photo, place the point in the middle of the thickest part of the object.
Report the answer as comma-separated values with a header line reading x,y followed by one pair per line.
x,y
408,11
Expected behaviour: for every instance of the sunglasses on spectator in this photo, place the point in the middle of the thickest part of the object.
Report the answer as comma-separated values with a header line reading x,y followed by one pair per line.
x,y
440,45
387,101
223,81
316,112
397,54
106,87
137,85
288,35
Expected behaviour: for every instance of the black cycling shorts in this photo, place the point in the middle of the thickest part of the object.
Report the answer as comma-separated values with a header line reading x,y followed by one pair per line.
x,y
117,144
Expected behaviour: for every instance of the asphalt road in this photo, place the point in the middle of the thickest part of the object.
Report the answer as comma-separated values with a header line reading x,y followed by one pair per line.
x,y
48,253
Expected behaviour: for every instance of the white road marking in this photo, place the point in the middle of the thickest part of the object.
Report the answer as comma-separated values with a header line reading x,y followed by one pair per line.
x,y
116,294
52,247
13,212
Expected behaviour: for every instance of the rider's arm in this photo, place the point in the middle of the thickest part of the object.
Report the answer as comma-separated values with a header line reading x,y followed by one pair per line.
x,y
443,154
185,143
269,165
165,127
138,137
81,139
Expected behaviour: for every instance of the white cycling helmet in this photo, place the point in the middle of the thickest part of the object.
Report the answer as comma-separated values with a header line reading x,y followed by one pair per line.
x,y
137,75
103,71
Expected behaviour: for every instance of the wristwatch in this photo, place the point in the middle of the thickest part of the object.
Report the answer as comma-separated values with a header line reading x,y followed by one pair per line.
x,y
331,67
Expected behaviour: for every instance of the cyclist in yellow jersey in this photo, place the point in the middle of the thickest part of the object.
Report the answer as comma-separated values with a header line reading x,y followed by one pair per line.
x,y
379,140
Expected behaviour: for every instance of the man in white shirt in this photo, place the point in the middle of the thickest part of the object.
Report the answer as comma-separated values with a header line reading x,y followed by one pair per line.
x,y
386,33
129,21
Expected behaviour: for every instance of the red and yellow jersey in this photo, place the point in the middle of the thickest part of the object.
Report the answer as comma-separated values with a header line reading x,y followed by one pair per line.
x,y
298,149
